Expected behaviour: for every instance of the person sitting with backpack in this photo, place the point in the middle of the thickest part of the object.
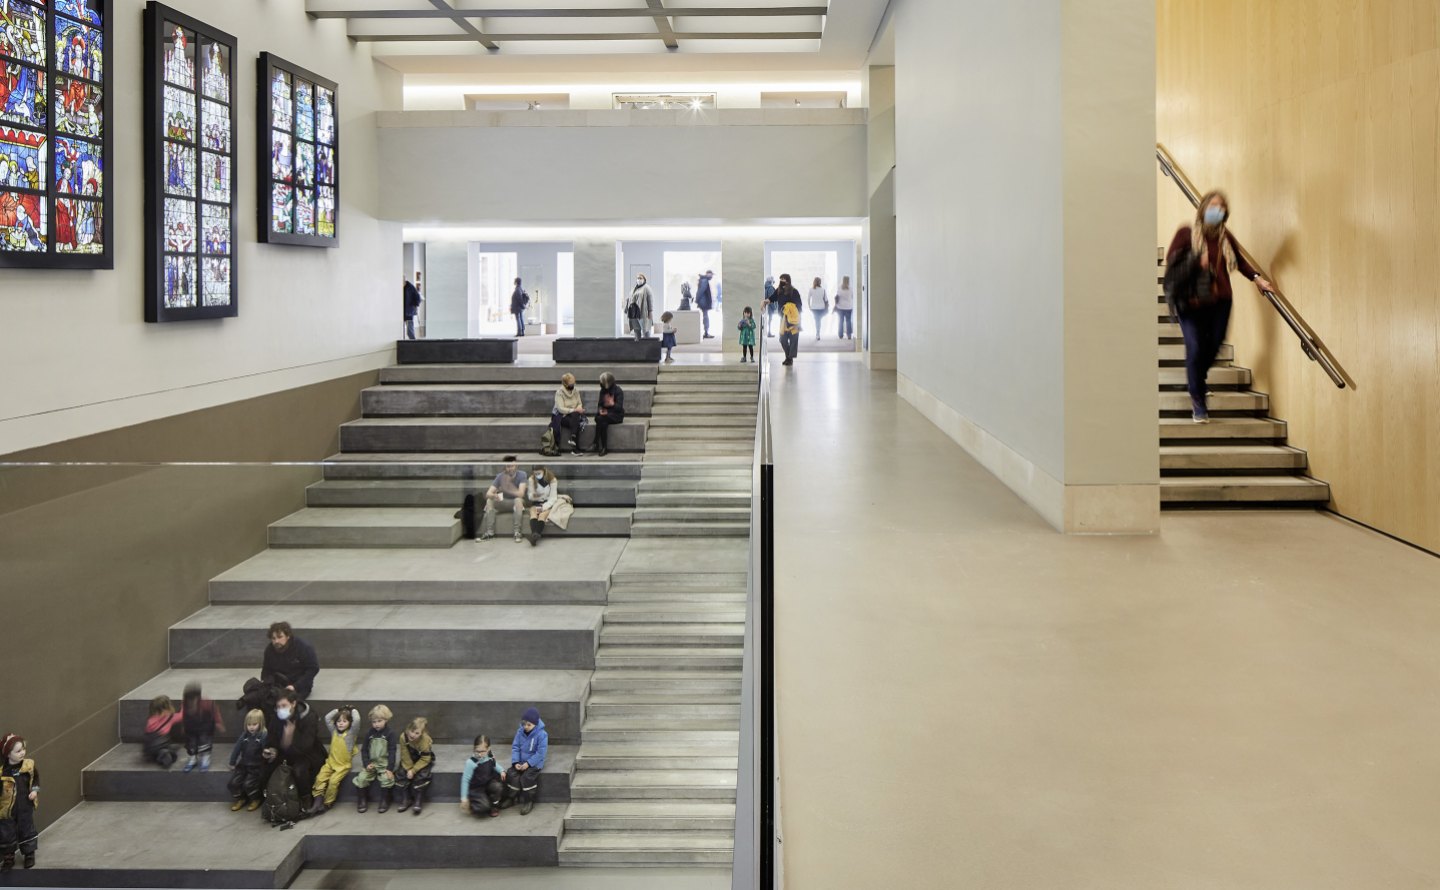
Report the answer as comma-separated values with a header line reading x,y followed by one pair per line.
x,y
294,754
568,414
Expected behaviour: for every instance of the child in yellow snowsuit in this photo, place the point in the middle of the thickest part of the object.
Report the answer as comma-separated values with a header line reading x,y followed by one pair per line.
x,y
344,723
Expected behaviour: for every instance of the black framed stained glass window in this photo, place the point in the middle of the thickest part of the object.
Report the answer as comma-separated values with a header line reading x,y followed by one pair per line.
x,y
299,155
55,141
190,189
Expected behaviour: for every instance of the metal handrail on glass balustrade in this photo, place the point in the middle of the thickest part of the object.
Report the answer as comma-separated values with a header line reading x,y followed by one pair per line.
x,y
1313,347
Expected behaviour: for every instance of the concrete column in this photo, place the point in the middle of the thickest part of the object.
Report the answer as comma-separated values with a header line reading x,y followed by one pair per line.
x,y
877,309
597,307
744,271
447,289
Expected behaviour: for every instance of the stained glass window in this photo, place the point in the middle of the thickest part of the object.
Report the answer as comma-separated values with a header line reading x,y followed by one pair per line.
x,y
190,155
54,137
300,180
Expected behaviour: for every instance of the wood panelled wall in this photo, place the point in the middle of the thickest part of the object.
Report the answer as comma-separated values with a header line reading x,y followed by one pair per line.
x,y
1319,118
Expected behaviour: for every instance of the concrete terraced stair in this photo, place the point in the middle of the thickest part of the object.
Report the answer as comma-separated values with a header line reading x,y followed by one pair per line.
x,y
696,476
1241,458
656,774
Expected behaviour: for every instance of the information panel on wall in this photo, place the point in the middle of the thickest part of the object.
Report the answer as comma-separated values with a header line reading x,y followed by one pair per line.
x,y
299,153
189,168
55,138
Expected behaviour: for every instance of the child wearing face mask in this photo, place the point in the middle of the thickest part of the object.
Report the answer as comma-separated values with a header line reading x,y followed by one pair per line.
x,y
378,754
19,796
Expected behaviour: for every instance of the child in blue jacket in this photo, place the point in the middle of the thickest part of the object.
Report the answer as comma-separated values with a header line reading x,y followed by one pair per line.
x,y
527,759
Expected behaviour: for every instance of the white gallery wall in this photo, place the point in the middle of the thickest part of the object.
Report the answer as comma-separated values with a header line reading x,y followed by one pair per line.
x,y
1024,175
78,357
619,166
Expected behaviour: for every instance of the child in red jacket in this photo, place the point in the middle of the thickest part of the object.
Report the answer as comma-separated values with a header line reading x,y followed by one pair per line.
x,y
201,720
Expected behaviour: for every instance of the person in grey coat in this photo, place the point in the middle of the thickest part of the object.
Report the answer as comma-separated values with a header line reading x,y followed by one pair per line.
x,y
639,313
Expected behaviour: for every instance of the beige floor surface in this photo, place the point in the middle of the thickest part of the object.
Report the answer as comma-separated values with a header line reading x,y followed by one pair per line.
x,y
968,699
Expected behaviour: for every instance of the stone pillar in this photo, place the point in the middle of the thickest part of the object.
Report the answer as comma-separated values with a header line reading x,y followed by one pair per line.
x,y
744,273
876,314
597,306
447,289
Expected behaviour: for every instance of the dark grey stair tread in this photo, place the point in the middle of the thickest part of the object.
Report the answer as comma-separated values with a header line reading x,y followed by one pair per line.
x,y
114,844
527,372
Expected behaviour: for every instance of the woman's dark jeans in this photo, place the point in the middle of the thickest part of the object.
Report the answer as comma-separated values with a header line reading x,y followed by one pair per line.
x,y
1204,330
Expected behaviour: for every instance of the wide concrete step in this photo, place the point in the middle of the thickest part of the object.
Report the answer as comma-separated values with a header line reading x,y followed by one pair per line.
x,y
669,421
1218,376
1220,402
739,403
495,572
672,634
744,433
1276,490
372,636
474,467
706,513
459,702
368,527
451,434
486,400
655,757
1222,428
638,849
626,374
451,492
650,598
181,844
1175,352
670,529
738,483
647,815
627,575
725,473
622,656
1229,457
717,715
653,784
1168,330
123,774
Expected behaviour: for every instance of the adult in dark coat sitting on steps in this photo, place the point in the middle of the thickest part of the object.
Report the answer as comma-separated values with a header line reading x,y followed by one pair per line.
x,y
294,738
611,411
289,661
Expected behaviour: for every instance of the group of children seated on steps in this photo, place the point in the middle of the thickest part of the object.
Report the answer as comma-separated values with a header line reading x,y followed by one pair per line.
x,y
406,760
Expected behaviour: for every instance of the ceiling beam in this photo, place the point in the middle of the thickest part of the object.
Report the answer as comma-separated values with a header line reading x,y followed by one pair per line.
x,y
662,24
527,38
465,25
608,12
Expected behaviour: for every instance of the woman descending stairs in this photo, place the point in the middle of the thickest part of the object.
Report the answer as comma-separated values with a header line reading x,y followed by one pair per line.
x,y
1239,458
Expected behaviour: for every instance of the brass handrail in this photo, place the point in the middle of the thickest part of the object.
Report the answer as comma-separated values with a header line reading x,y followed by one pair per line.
x,y
1314,348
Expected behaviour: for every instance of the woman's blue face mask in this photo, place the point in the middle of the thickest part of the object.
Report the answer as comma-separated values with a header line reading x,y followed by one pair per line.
x,y
1214,216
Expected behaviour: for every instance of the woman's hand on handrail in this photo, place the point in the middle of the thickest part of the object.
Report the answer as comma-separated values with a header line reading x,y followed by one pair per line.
x,y
1263,283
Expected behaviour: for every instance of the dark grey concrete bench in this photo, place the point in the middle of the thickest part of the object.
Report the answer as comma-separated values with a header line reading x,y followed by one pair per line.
x,y
604,350
489,400
461,352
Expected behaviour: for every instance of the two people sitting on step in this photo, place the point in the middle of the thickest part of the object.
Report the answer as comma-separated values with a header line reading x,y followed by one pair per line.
x,y
569,413
532,498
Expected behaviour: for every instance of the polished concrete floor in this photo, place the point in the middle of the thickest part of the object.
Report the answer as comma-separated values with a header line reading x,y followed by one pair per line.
x,y
968,699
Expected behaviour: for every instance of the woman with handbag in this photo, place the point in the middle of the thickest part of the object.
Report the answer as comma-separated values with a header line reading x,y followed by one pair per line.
x,y
638,312
1199,262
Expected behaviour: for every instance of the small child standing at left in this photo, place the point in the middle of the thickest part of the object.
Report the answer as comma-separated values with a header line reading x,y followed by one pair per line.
x,y
247,763
201,720
19,795
747,335
344,724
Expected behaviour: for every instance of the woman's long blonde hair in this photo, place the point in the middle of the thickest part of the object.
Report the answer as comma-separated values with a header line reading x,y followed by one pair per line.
x,y
1197,231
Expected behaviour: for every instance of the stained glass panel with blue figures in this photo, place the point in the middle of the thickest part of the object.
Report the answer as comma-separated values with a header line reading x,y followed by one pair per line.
x,y
215,177
282,106
215,229
84,10
79,49
24,225
215,126
180,282
324,116
22,94
215,72
325,164
304,110
179,170
304,165
79,226
79,168
179,225
22,32
24,159
78,108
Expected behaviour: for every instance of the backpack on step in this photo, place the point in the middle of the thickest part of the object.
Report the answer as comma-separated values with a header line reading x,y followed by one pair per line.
x,y
547,444
282,799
